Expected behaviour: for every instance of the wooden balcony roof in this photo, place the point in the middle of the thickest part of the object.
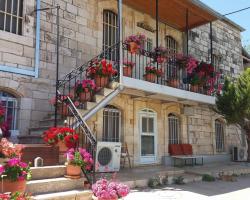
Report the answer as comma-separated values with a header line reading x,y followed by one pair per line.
x,y
173,12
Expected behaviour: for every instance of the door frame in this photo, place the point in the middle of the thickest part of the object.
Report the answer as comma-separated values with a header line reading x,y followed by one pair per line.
x,y
148,159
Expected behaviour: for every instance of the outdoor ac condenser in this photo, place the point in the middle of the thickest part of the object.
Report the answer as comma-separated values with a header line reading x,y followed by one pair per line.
x,y
108,156
238,154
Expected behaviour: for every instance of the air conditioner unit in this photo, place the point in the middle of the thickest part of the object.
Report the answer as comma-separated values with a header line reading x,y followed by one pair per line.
x,y
239,154
108,156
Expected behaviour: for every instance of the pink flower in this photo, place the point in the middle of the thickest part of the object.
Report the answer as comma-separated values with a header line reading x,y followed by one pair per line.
x,y
23,165
13,162
1,169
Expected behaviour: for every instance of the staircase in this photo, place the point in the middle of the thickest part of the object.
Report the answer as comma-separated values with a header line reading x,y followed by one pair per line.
x,y
49,183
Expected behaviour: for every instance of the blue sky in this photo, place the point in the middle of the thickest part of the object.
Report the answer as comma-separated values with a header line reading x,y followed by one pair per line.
x,y
241,18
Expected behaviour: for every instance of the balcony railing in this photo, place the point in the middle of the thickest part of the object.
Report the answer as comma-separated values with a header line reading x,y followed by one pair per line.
x,y
172,74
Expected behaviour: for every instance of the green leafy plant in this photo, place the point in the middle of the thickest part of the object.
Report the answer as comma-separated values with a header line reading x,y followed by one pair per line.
x,y
154,182
208,178
233,103
179,180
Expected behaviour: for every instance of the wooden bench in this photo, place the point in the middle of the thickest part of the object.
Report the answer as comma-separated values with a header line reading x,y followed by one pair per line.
x,y
184,153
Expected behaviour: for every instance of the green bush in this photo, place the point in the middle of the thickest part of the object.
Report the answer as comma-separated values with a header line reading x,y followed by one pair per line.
x,y
179,180
208,178
154,182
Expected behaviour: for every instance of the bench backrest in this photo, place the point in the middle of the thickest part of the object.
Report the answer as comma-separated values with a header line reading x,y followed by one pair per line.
x,y
180,149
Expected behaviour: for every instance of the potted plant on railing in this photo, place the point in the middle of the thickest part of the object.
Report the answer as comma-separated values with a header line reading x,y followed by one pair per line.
x,y
78,159
161,54
109,190
101,72
63,137
9,150
127,68
85,90
151,73
15,173
135,42
62,104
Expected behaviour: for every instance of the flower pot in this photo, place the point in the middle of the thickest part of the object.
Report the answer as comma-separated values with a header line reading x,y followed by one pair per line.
x,y
160,59
85,96
127,71
9,186
194,88
73,170
150,77
101,81
173,83
96,198
133,47
62,146
63,110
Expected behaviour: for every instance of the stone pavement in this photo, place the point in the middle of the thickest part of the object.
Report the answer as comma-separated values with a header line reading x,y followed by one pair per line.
x,y
218,190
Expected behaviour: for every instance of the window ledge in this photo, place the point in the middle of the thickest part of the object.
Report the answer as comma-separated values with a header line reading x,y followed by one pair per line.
x,y
20,39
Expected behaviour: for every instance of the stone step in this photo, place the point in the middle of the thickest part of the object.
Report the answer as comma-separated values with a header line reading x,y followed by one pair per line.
x,y
44,186
48,172
105,91
67,195
30,139
50,122
97,98
38,130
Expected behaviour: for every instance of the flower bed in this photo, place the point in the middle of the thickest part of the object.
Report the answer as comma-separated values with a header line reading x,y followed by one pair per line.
x,y
109,190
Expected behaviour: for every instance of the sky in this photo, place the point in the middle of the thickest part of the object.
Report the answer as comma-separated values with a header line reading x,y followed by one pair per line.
x,y
242,18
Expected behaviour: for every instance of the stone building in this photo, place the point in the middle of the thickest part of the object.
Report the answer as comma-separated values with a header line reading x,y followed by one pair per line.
x,y
87,27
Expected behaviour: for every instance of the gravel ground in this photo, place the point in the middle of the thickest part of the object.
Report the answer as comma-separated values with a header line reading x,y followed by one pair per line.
x,y
218,190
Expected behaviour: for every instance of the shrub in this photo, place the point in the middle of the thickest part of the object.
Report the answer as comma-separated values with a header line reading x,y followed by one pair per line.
x,y
154,182
179,180
208,178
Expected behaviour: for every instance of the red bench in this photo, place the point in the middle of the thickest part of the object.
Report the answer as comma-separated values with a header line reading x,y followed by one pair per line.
x,y
183,152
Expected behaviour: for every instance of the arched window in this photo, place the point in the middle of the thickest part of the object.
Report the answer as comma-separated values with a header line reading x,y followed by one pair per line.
x,y
173,129
110,28
11,16
171,45
219,135
111,124
10,105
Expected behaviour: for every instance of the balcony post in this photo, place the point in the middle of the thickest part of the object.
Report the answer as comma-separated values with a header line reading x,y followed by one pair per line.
x,y
187,32
120,40
157,31
211,42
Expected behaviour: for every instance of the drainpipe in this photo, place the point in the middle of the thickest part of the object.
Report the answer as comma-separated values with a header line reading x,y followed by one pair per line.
x,y
37,54
120,40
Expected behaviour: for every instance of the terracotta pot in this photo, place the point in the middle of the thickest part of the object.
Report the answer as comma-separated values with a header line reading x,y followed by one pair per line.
x,y
150,77
127,71
85,96
63,109
133,47
73,170
173,83
101,81
9,186
194,88
62,146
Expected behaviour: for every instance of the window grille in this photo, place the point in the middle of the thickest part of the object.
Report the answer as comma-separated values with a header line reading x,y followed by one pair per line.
x,y
173,129
111,124
11,16
110,32
219,135
10,104
171,45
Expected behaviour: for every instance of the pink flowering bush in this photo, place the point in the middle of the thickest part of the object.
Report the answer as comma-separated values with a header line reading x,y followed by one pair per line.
x,y
109,190
15,170
10,150
80,157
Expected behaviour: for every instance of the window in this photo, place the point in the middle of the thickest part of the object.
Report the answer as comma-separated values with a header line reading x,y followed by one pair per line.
x,y
173,129
219,135
149,44
171,45
11,12
110,32
111,124
10,103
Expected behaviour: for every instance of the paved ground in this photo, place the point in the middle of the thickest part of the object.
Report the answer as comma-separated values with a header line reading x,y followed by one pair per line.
x,y
218,190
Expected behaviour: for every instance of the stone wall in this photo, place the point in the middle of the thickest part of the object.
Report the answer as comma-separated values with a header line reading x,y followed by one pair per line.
x,y
80,40
197,129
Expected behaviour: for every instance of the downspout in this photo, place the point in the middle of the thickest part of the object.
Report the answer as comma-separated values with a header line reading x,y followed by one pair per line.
x,y
37,48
